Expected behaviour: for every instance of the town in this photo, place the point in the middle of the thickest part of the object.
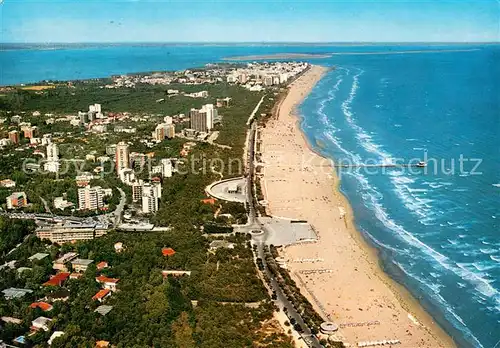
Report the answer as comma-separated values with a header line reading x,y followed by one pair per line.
x,y
90,189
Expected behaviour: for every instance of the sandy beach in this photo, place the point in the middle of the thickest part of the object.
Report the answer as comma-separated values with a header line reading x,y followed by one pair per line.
x,y
351,290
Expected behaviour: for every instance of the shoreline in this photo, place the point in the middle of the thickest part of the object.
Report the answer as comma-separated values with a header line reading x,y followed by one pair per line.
x,y
279,56
356,289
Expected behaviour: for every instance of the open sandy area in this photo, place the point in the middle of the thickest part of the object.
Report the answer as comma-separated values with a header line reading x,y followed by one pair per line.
x,y
345,282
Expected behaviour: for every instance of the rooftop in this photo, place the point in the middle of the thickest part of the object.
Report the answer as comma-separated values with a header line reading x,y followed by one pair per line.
x,y
38,256
101,294
41,321
44,306
102,264
57,295
103,310
66,257
167,251
81,262
55,335
221,244
104,279
57,279
11,293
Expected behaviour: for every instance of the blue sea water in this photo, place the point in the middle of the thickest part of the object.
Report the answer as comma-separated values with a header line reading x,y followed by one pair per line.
x,y
437,229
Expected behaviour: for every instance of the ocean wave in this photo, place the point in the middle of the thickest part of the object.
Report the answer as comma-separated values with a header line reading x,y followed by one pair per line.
x,y
481,285
435,294
495,258
385,246
482,266
364,139
412,197
477,278
331,95
489,251
354,158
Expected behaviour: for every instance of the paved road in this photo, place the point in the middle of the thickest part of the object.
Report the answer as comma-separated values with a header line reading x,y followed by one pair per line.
x,y
259,239
119,208
281,300
46,205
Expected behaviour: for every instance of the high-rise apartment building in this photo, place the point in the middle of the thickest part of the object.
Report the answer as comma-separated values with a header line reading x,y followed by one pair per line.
x,y
202,120
122,157
52,153
90,198
14,136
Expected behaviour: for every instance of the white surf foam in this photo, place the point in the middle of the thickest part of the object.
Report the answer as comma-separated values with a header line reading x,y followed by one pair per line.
x,y
481,284
364,139
435,294
495,258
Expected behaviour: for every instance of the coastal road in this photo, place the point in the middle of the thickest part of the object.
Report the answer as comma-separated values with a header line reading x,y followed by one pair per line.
x,y
281,300
259,239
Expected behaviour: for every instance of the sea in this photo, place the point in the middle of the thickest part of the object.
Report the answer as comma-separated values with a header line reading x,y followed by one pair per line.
x,y
437,227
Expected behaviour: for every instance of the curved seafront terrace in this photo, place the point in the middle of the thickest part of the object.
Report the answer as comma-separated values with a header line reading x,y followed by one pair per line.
x,y
233,190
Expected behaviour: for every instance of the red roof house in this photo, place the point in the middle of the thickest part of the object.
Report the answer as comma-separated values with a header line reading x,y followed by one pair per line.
x,y
101,265
101,295
109,283
167,251
57,280
210,201
44,306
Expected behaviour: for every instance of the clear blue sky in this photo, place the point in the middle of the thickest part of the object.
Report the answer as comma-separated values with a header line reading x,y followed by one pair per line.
x,y
249,20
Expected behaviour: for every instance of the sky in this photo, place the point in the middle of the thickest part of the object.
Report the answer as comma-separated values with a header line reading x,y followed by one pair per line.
x,y
51,21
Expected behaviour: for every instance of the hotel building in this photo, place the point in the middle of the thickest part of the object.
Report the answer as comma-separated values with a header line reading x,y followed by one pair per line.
x,y
122,158
90,198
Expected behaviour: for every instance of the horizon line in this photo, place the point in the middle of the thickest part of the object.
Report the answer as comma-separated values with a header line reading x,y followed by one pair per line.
x,y
247,42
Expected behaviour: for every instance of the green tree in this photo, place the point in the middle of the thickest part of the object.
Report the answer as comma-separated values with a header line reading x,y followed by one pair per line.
x,y
183,332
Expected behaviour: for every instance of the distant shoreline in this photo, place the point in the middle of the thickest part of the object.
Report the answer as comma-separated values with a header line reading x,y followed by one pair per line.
x,y
279,56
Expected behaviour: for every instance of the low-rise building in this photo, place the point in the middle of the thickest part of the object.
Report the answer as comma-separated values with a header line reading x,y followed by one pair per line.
x,y
41,323
168,252
12,293
118,247
81,265
55,335
58,279
7,183
102,265
108,283
166,273
223,102
103,310
44,306
216,244
60,263
61,203
67,233
17,200
38,256
102,295
14,137
59,295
